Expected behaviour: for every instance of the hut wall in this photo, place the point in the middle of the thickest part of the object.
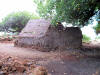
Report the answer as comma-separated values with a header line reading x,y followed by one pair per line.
x,y
54,39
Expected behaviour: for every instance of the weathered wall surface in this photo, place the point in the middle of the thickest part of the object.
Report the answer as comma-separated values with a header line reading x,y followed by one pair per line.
x,y
53,39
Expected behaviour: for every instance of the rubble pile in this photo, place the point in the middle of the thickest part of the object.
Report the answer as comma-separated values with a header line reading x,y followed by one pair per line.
x,y
13,66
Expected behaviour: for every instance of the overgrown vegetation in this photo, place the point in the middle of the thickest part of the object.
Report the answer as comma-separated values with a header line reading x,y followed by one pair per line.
x,y
97,38
97,27
86,38
15,22
76,12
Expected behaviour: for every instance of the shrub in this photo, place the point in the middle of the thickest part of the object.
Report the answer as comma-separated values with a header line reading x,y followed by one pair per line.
x,y
15,22
97,38
97,28
86,38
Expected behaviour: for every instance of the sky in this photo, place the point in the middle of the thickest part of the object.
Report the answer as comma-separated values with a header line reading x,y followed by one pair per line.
x,y
8,6
89,31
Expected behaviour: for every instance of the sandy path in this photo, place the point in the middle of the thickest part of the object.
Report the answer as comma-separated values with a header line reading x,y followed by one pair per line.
x,y
9,48
56,64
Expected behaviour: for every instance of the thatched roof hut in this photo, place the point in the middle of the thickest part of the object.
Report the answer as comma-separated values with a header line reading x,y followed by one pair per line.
x,y
41,35
35,28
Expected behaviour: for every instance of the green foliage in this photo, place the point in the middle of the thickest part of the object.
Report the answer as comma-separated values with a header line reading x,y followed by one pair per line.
x,y
15,21
97,38
77,12
97,28
86,38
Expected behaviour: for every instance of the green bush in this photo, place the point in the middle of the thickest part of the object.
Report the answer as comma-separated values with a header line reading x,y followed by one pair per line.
x,y
97,28
86,38
97,38
16,21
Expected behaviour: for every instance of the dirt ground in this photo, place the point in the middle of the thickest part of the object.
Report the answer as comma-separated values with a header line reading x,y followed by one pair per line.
x,y
57,63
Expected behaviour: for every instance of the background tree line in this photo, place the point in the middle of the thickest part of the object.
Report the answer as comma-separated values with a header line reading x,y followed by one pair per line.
x,y
15,21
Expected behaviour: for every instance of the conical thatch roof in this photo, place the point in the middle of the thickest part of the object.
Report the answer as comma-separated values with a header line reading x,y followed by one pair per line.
x,y
35,28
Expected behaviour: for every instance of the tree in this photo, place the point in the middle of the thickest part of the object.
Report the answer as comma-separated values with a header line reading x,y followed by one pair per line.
x,y
16,21
97,27
77,12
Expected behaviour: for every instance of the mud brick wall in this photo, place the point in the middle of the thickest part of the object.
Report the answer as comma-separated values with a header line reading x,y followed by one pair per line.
x,y
53,39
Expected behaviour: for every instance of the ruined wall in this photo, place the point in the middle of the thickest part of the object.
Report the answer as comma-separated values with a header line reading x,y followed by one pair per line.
x,y
53,39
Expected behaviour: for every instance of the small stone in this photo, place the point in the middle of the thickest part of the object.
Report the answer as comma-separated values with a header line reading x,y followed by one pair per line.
x,y
65,73
40,71
28,64
2,73
41,68
52,71
20,69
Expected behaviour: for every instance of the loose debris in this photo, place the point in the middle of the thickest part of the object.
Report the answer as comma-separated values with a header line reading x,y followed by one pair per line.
x,y
14,66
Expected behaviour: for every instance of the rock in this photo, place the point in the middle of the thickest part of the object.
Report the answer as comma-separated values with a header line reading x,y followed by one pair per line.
x,y
28,64
41,68
2,73
40,71
20,69
14,66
